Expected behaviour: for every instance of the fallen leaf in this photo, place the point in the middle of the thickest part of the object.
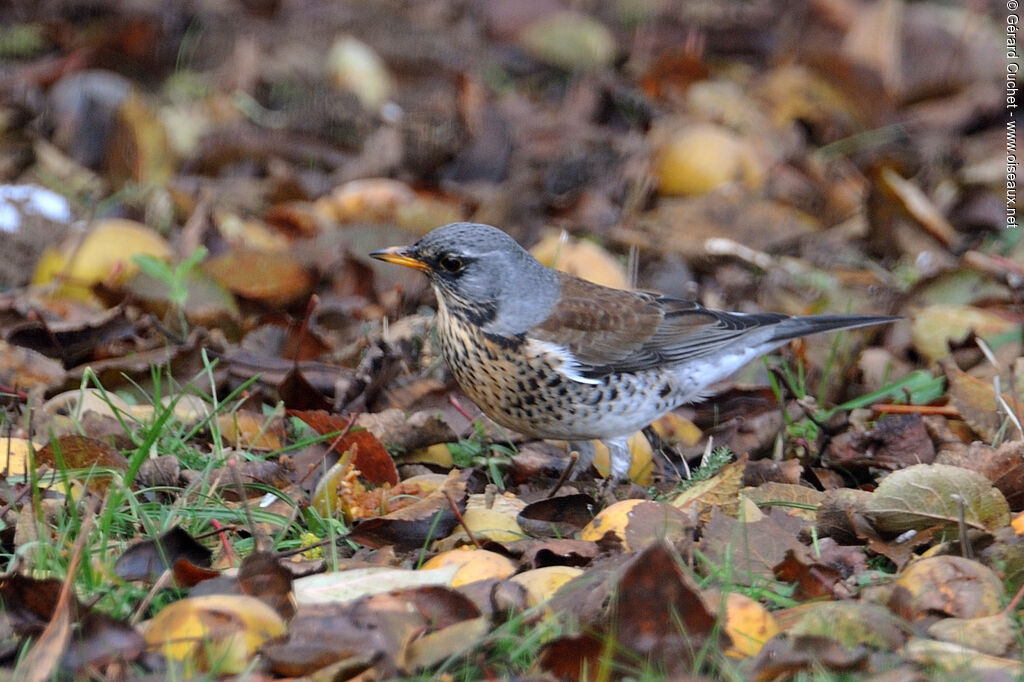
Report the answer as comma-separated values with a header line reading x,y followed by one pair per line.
x,y
559,516
748,624
1003,466
411,527
371,458
720,492
658,615
272,278
993,635
946,585
853,624
637,523
224,631
895,442
581,258
923,495
976,401
936,326
346,586
786,656
752,550
569,40
261,575
471,565
103,254
542,583
148,559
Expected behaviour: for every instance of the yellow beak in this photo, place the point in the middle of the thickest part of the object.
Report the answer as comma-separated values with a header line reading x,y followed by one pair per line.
x,y
399,255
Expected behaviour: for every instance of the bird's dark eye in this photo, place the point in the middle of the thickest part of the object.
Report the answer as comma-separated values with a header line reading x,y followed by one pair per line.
x,y
450,263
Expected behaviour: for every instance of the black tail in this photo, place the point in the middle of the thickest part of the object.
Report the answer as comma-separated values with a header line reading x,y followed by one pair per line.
x,y
794,327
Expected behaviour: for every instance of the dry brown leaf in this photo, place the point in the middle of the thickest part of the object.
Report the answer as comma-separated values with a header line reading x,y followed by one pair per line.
x,y
721,492
797,500
976,401
275,279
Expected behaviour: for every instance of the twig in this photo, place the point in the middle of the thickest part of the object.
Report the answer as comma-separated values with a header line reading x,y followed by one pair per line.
x,y
574,458
462,521
161,582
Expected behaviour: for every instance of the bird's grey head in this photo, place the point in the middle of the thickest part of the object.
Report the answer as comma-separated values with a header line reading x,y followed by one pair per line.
x,y
480,269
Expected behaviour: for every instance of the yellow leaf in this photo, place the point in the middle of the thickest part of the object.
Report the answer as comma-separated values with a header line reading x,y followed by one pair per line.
x,y
641,465
214,632
581,258
749,625
637,523
699,158
542,583
104,254
15,456
474,564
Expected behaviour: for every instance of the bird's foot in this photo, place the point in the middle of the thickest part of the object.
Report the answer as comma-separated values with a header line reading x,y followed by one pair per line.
x,y
619,458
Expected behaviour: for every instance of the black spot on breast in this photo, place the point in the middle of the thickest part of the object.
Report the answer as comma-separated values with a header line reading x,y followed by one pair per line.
x,y
665,391
504,342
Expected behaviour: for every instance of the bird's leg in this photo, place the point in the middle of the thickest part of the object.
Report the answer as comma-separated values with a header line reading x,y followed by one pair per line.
x,y
619,459
586,450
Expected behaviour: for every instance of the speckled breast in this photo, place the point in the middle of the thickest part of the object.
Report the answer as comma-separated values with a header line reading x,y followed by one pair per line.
x,y
530,396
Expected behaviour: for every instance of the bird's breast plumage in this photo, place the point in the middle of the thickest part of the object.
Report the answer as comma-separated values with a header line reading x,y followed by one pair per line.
x,y
531,386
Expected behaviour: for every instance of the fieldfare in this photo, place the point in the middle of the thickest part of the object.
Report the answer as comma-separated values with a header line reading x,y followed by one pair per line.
x,y
551,355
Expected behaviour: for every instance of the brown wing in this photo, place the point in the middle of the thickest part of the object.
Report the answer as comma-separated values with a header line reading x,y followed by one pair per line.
x,y
610,330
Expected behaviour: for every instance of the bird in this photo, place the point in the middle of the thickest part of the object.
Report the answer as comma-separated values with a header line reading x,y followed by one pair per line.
x,y
554,356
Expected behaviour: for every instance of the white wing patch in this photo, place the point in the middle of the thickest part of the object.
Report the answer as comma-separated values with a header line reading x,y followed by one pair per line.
x,y
559,358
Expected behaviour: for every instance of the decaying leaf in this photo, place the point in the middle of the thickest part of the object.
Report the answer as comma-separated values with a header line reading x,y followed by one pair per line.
x,y
147,560
753,549
947,585
541,584
1003,465
992,635
853,624
411,527
721,492
656,615
637,523
370,458
378,630
271,278
797,500
934,327
581,258
557,516
748,624
924,495
221,631
976,401
784,656
471,565
346,586
895,442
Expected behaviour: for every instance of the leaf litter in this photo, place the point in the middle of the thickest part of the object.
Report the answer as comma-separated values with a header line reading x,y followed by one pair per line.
x,y
230,444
